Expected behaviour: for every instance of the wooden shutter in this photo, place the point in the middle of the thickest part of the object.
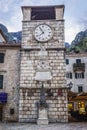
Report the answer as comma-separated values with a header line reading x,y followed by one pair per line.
x,y
82,75
70,75
1,81
1,57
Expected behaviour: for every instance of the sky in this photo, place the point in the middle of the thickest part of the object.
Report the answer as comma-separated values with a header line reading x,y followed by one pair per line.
x,y
75,15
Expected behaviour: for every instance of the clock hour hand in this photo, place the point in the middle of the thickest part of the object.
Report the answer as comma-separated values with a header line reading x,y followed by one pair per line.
x,y
41,33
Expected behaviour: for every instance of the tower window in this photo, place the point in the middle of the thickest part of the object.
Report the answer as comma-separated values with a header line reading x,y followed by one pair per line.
x,y
42,13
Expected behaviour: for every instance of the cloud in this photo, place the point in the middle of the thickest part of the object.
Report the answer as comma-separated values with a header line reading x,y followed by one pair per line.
x,y
72,27
4,5
41,2
11,14
12,11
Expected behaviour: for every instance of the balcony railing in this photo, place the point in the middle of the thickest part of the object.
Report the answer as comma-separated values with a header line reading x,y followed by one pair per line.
x,y
79,67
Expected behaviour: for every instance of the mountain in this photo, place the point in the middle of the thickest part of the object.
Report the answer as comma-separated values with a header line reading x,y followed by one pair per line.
x,y
12,36
79,37
17,36
67,45
5,32
79,44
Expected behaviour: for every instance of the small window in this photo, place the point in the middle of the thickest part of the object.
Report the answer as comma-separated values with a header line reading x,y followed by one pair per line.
x,y
80,89
69,75
1,81
67,61
79,75
78,61
11,111
1,57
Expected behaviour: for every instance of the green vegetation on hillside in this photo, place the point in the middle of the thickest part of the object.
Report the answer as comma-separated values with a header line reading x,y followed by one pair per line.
x,y
79,47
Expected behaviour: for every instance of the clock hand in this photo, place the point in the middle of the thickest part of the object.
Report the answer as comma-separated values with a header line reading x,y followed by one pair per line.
x,y
41,33
41,29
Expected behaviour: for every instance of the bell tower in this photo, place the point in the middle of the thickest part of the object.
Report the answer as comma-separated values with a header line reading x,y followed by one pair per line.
x,y
42,60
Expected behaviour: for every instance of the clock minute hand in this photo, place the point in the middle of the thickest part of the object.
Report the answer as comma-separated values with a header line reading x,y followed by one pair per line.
x,y
41,29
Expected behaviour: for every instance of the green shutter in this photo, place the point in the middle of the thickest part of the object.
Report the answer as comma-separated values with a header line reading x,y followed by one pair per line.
x,y
1,57
82,75
76,75
1,81
67,61
70,75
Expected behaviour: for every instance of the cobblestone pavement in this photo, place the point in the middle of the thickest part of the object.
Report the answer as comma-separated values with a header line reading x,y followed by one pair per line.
x,y
58,126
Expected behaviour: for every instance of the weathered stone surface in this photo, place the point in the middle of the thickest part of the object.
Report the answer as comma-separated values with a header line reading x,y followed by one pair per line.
x,y
29,87
55,107
11,67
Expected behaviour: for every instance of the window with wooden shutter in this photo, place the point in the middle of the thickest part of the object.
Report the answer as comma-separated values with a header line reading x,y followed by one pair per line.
x,y
79,75
76,75
11,111
78,61
82,75
2,57
67,61
69,75
1,81
80,89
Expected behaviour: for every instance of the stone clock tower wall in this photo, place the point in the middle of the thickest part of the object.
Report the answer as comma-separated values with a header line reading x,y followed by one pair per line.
x,y
55,89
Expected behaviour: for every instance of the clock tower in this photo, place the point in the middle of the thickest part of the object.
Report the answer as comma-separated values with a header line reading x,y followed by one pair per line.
x,y
42,60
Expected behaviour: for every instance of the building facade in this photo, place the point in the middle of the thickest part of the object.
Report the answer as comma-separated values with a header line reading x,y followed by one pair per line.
x,y
34,37
9,79
76,71
42,51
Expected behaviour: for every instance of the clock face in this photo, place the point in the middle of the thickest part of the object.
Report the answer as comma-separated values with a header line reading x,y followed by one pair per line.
x,y
43,33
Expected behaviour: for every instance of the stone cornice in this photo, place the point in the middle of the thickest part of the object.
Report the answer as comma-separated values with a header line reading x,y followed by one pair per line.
x,y
10,46
37,49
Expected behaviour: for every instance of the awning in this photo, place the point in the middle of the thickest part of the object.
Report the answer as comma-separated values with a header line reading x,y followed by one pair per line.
x,y
80,97
3,97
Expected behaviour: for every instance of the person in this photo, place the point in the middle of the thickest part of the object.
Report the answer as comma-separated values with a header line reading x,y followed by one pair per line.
x,y
86,109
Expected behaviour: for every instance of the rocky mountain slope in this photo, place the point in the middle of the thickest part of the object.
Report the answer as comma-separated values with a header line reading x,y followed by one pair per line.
x,y
79,37
78,44
12,36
